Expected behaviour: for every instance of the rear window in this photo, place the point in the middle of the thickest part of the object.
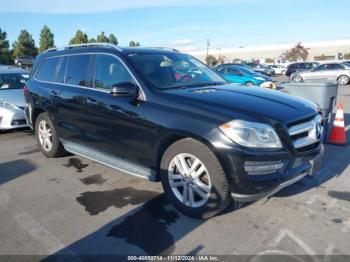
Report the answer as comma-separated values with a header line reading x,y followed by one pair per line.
x,y
13,81
47,70
77,70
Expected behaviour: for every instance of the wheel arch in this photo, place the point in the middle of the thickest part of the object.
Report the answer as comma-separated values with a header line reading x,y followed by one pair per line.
x,y
167,140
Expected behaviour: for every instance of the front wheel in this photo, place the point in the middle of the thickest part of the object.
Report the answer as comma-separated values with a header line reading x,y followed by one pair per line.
x,y
194,180
343,80
249,83
47,138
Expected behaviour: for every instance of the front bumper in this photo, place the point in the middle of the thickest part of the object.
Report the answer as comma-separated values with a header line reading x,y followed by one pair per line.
x,y
12,119
248,185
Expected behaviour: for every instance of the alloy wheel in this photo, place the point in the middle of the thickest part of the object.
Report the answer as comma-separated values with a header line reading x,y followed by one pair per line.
x,y
45,135
343,80
189,180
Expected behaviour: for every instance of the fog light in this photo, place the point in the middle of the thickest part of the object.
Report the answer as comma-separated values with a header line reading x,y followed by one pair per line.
x,y
262,167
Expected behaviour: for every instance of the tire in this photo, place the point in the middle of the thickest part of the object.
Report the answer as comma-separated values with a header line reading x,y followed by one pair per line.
x,y
343,80
217,194
44,129
297,79
249,83
283,72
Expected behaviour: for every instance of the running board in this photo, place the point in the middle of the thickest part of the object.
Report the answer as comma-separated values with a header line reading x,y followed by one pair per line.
x,y
109,160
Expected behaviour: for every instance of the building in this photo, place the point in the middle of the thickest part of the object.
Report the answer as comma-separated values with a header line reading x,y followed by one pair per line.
x,y
326,50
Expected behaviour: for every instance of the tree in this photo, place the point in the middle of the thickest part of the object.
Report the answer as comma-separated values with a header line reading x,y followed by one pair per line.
x,y
320,57
102,38
4,48
298,52
113,39
134,44
211,60
24,45
269,60
46,39
92,40
79,38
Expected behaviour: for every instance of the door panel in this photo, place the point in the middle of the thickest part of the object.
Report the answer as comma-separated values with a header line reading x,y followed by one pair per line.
x,y
114,125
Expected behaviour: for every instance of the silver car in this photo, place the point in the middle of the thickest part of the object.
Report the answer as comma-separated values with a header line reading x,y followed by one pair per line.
x,y
325,72
12,81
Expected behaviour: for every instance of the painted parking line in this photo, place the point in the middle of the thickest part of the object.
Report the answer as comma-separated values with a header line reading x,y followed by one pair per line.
x,y
33,227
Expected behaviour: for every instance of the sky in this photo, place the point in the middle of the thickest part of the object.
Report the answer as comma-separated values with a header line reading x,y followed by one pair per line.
x,y
182,24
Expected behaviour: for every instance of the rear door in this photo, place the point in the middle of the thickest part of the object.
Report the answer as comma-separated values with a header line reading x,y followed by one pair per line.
x,y
74,76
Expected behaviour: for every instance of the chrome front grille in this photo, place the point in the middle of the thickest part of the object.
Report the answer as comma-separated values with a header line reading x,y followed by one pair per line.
x,y
307,133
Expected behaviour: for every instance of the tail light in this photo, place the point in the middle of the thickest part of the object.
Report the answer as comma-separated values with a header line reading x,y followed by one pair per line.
x,y
25,90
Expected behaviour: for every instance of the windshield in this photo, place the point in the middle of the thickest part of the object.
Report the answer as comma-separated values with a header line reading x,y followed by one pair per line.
x,y
12,81
246,70
173,70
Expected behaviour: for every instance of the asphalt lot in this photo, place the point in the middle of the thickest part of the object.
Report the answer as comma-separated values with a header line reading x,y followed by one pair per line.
x,y
74,206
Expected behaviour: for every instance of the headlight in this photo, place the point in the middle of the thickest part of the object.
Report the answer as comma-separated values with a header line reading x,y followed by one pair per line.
x,y
260,78
251,134
7,105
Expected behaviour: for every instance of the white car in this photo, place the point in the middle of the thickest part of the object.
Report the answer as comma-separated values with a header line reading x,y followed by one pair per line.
x,y
12,81
279,69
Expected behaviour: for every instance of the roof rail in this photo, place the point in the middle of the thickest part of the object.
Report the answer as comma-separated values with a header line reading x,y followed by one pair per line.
x,y
83,45
165,48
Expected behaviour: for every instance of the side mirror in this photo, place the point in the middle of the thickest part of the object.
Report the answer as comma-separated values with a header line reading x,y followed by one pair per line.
x,y
125,89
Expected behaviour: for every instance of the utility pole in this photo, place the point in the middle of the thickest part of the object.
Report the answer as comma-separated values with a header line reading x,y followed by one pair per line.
x,y
208,44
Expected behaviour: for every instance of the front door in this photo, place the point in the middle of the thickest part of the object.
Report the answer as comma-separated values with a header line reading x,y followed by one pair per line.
x,y
114,124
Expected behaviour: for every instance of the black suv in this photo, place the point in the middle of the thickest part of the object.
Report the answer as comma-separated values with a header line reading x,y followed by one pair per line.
x,y
298,67
165,116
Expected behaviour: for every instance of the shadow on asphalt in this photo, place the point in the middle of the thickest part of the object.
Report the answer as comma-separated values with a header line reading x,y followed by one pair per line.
x,y
14,169
336,160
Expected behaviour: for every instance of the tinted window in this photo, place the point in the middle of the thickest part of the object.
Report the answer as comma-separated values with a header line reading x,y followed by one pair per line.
x,y
47,70
335,66
307,66
173,70
13,81
77,70
320,67
109,71
62,70
233,71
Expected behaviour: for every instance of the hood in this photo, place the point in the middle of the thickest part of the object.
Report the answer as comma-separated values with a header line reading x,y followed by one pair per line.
x,y
13,96
248,103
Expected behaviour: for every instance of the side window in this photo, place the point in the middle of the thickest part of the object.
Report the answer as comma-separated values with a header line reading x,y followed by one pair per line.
x,y
47,70
320,67
308,66
109,71
77,70
336,66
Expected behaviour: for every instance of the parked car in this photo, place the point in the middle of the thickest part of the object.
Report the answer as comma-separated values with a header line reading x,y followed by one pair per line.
x,y
259,68
329,71
299,67
206,140
24,61
243,75
278,69
12,82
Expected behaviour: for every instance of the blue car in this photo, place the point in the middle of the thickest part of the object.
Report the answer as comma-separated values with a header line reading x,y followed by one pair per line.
x,y
244,75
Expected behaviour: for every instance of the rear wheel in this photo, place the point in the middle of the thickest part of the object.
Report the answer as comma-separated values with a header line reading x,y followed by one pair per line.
x,y
47,138
343,80
297,79
283,72
194,180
